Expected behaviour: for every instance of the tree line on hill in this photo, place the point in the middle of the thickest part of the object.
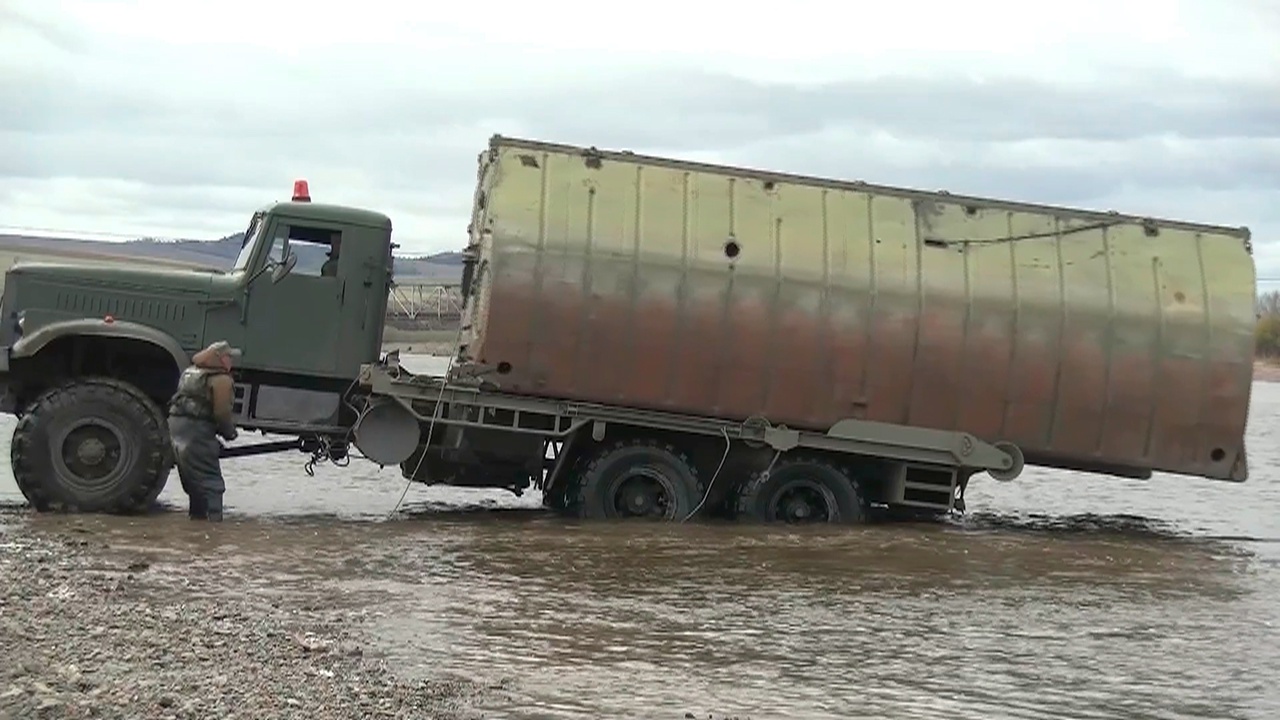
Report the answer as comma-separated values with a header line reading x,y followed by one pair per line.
x,y
1267,334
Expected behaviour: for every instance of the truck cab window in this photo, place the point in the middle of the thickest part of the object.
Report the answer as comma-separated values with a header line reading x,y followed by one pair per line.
x,y
248,244
317,250
276,253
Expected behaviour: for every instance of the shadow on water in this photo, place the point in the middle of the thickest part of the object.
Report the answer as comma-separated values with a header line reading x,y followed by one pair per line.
x,y
496,509
1118,525
981,550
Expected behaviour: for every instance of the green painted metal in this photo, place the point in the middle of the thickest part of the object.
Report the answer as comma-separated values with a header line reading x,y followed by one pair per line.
x,y
302,323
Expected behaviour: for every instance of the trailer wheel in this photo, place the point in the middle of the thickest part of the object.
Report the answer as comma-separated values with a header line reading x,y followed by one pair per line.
x,y
638,479
801,490
92,445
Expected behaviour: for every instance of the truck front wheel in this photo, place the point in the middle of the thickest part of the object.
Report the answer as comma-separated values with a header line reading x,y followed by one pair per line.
x,y
638,479
92,445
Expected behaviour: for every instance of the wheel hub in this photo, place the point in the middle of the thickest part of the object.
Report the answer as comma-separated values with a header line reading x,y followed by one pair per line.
x,y
91,453
798,509
639,499
803,501
641,494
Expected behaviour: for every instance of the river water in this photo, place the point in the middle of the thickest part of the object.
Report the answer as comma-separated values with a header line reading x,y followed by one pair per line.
x,y
1060,595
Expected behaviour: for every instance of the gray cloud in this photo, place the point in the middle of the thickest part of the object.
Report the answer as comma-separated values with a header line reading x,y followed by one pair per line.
x,y
1149,142
16,20
89,131
941,108
675,108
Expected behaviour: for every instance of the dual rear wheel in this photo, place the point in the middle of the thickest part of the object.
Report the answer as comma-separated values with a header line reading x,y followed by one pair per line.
x,y
801,490
634,479
647,479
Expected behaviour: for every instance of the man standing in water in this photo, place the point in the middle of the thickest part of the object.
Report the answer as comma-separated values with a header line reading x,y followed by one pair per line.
x,y
199,413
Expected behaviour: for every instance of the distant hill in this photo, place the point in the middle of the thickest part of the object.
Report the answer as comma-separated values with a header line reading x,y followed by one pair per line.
x,y
216,254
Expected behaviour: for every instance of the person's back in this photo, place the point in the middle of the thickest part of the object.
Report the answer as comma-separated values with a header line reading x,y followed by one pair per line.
x,y
199,412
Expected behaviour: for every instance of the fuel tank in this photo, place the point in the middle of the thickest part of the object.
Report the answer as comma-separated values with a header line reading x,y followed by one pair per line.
x,y
1094,340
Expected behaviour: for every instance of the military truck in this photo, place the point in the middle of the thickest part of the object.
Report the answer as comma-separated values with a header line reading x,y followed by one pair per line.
x,y
649,337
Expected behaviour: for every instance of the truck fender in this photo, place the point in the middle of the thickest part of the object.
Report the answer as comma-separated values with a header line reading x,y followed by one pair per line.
x,y
31,344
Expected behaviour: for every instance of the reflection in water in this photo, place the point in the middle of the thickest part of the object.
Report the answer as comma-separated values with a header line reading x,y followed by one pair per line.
x,y
817,624
1064,596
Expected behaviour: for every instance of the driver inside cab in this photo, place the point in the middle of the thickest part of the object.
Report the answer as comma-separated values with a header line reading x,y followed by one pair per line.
x,y
330,267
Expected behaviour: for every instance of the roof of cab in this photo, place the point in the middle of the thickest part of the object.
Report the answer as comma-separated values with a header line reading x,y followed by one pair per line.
x,y
329,213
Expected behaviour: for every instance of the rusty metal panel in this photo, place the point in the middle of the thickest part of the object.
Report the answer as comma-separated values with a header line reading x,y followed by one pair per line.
x,y
1093,340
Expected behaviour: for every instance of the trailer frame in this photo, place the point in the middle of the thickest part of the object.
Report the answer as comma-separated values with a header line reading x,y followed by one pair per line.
x,y
927,466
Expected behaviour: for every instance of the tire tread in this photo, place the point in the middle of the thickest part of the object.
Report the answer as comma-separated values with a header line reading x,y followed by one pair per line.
x,y
155,455
748,493
581,481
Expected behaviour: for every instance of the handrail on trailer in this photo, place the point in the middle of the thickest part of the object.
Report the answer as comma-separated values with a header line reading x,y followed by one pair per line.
x,y
1002,460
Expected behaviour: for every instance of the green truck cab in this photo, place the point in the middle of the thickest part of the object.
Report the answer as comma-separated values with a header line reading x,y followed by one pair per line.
x,y
114,340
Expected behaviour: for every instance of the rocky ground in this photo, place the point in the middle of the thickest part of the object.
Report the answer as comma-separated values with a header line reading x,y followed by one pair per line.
x,y
88,632
1266,371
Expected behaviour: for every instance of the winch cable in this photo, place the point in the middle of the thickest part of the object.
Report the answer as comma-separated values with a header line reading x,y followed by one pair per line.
x,y
711,483
435,413
323,450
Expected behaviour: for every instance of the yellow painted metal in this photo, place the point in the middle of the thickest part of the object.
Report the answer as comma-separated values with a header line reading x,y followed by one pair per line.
x,y
1093,340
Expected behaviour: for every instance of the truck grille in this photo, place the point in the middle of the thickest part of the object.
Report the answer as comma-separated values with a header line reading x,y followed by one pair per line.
x,y
134,309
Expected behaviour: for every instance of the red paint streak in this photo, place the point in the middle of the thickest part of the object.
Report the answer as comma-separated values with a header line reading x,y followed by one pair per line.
x,y
1046,388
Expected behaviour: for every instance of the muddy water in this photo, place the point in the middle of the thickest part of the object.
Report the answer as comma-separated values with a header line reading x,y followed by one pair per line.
x,y
1060,596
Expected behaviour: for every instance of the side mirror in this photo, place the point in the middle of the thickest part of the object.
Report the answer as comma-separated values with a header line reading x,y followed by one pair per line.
x,y
284,268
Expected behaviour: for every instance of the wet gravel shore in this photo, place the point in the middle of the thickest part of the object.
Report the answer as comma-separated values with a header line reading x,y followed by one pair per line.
x,y
90,632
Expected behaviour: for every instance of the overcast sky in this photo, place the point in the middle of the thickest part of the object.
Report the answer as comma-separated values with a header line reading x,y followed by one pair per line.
x,y
177,119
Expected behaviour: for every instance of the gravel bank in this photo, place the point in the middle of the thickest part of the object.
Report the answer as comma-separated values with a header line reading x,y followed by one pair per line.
x,y
1266,371
88,632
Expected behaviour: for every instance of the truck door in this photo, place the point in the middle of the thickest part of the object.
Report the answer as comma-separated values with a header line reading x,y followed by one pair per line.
x,y
294,325
363,272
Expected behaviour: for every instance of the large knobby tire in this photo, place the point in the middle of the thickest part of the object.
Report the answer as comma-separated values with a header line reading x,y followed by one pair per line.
x,y
637,479
801,490
91,445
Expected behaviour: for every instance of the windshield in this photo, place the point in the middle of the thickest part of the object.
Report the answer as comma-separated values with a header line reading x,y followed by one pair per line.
x,y
251,236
